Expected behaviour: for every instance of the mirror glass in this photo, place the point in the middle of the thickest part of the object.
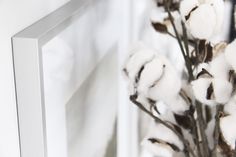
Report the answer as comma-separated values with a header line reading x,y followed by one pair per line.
x,y
80,71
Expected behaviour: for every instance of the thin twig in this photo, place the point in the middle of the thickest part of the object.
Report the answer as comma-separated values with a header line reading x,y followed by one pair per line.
x,y
186,44
200,120
133,98
219,109
170,34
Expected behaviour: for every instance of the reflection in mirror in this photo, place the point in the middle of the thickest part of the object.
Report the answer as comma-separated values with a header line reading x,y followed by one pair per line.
x,y
80,86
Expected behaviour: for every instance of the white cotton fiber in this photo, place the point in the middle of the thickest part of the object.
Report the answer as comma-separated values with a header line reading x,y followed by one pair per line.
x,y
200,25
222,90
177,104
137,60
186,6
230,54
219,67
161,132
157,149
228,128
199,88
230,107
218,6
152,72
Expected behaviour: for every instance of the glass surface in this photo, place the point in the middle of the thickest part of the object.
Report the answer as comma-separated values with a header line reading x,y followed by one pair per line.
x,y
80,85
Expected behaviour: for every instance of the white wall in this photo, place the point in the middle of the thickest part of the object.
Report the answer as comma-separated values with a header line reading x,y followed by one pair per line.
x,y
15,15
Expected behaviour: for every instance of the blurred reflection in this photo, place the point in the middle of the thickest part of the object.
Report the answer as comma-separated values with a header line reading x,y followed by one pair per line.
x,y
80,85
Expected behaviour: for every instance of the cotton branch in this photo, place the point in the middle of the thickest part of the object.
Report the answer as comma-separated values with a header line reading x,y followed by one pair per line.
x,y
187,61
219,110
133,98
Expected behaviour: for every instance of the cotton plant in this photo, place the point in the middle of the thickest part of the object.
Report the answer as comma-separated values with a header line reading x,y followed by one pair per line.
x,y
194,113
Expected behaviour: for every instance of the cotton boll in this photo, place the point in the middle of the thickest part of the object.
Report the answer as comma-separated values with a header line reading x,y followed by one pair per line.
x,y
230,107
218,6
230,54
162,107
222,90
157,149
199,88
200,25
167,86
152,72
219,67
159,131
229,130
186,6
162,132
177,104
137,60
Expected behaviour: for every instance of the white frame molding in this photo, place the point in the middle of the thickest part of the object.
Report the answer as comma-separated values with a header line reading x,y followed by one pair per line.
x,y
28,71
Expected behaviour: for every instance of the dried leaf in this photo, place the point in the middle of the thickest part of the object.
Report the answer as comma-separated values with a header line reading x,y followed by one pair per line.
x,y
189,14
203,73
201,46
173,6
159,27
183,121
139,74
210,91
225,148
178,129
209,53
208,114
159,141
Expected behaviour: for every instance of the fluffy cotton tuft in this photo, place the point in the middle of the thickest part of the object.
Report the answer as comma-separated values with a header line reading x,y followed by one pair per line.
x,y
152,72
200,25
229,130
157,149
230,54
161,149
204,18
137,60
230,107
222,90
218,6
168,85
177,104
199,88
186,6
219,67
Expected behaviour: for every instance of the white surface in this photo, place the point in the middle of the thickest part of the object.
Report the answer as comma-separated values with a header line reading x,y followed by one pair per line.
x,y
14,16
68,60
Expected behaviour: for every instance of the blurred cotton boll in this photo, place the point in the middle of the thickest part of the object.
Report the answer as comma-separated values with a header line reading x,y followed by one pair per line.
x,y
230,54
222,90
212,91
219,67
200,87
139,56
186,6
160,81
152,72
228,130
230,107
161,141
194,14
199,25
166,86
